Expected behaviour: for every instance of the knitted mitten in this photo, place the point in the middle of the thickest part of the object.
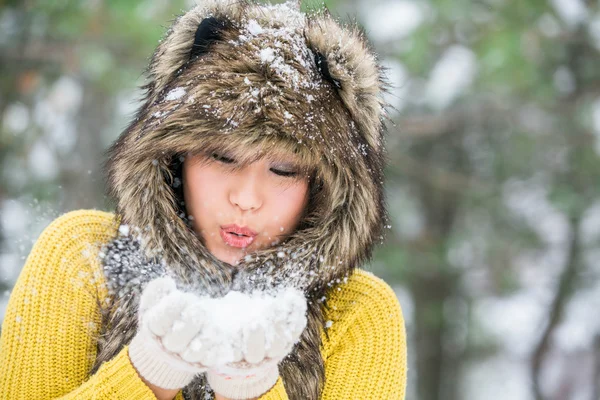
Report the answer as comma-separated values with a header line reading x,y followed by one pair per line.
x,y
168,320
264,344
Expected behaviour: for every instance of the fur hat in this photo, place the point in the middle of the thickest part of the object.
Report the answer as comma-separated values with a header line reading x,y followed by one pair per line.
x,y
233,75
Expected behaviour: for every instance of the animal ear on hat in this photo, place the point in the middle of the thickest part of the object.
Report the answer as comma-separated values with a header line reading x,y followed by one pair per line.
x,y
188,37
344,58
208,32
323,68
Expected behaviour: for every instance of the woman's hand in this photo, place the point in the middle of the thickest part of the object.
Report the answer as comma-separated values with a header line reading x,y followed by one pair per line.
x,y
238,339
264,346
168,321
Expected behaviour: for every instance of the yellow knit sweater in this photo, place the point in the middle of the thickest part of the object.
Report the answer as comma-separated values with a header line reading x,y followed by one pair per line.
x,y
47,346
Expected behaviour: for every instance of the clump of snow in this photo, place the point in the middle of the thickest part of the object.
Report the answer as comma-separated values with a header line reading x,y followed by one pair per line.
x,y
124,230
288,14
267,55
237,314
235,328
175,94
271,41
328,324
254,28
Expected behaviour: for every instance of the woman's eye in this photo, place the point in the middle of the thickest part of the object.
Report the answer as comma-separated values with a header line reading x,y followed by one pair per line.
x,y
223,159
283,173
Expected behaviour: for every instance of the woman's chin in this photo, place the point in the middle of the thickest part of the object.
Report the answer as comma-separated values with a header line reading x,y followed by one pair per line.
x,y
230,256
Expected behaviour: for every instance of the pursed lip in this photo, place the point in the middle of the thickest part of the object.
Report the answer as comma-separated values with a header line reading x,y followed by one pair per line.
x,y
237,236
239,230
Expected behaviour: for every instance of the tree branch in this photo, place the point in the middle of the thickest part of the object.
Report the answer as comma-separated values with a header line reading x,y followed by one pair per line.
x,y
563,294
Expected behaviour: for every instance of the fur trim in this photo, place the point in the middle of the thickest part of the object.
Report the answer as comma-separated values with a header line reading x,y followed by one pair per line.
x,y
257,87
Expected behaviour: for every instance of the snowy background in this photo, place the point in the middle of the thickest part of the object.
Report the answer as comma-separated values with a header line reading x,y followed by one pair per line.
x,y
493,183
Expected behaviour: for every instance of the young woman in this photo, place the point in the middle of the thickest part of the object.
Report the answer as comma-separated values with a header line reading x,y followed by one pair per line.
x,y
249,191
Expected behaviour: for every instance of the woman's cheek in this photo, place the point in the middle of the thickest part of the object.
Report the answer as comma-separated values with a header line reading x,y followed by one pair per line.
x,y
291,207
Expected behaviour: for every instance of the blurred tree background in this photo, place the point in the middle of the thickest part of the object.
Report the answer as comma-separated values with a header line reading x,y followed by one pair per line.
x,y
493,181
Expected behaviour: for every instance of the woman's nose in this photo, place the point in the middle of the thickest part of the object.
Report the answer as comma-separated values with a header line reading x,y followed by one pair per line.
x,y
245,191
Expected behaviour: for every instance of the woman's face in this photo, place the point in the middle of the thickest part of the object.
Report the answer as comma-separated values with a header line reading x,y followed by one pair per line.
x,y
237,210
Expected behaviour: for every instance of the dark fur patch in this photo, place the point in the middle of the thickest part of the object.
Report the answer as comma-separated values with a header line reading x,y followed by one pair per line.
x,y
208,32
323,67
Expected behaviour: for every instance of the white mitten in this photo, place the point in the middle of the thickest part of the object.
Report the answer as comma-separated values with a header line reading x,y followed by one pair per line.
x,y
277,323
168,320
